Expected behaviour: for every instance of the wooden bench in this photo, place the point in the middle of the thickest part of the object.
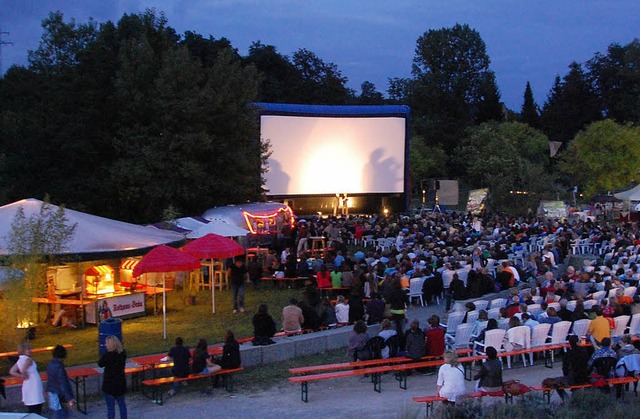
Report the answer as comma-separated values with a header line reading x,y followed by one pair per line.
x,y
430,400
546,391
375,373
157,383
33,351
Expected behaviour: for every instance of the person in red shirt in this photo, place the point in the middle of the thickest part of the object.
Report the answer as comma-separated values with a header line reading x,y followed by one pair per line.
x,y
434,335
323,277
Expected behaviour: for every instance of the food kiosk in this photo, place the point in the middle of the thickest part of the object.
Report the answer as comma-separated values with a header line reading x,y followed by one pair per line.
x,y
98,289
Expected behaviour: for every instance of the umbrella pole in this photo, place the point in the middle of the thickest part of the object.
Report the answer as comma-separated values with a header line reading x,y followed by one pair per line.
x,y
213,287
164,306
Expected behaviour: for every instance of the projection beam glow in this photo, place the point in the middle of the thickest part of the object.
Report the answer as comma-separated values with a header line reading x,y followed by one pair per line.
x,y
327,155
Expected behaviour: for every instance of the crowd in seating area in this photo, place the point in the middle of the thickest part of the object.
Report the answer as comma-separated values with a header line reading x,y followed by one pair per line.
x,y
454,256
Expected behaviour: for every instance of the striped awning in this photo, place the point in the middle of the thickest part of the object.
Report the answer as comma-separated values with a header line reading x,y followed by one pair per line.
x,y
129,264
99,270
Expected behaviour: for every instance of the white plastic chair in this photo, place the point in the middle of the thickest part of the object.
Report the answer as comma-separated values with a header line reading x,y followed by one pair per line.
x,y
534,310
472,316
540,334
493,313
478,327
463,274
455,318
571,305
555,305
503,324
630,291
621,326
589,304
518,337
580,327
537,299
461,338
634,327
491,267
415,289
481,304
493,338
598,296
498,303
559,334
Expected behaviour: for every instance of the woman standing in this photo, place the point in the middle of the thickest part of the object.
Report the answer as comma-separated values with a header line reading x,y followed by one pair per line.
x,y
114,383
450,382
27,369
58,384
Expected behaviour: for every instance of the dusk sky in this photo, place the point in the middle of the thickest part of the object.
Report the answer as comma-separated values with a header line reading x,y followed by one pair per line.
x,y
370,39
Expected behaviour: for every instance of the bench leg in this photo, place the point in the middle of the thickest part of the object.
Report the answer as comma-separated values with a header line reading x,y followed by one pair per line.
x,y
227,382
401,377
508,398
377,382
548,360
304,391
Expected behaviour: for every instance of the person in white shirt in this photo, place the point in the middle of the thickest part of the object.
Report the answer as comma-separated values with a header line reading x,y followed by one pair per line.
x,y
342,310
386,332
450,383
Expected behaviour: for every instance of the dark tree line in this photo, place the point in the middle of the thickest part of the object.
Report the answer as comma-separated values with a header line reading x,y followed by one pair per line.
x,y
128,119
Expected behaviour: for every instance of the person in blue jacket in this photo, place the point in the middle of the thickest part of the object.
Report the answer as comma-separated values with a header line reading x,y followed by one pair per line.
x,y
58,384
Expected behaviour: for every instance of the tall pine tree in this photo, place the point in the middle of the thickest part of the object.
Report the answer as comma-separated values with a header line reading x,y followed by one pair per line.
x,y
529,113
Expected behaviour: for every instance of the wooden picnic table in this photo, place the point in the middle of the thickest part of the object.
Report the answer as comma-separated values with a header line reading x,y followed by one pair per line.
x,y
33,350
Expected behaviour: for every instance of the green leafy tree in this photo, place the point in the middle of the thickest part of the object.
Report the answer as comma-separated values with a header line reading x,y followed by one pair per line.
x,y
369,95
33,243
400,90
280,79
321,83
616,76
604,157
509,158
529,113
452,80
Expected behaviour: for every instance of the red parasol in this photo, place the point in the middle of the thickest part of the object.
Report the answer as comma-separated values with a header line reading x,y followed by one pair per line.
x,y
165,259
213,246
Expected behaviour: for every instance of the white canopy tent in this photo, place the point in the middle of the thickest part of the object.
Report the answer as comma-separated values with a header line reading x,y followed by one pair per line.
x,y
632,194
93,234
219,227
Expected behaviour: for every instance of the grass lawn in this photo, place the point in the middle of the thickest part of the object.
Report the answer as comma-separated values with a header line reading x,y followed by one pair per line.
x,y
143,335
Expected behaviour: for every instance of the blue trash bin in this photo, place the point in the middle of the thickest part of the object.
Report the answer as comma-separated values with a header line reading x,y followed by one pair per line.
x,y
108,327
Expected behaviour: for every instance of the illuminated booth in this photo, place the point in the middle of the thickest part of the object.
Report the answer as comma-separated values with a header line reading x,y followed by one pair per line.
x,y
264,220
337,159
89,288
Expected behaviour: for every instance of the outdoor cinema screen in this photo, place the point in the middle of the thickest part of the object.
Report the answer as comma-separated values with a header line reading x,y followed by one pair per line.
x,y
320,155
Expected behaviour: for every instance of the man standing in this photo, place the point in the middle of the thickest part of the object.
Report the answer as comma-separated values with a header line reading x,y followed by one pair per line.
x,y
238,275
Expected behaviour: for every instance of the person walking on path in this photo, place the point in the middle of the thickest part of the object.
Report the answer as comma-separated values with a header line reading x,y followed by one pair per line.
x,y
114,383
27,369
58,385
238,275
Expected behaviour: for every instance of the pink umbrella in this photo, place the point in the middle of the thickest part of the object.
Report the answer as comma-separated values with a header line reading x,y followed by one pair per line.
x,y
213,246
165,259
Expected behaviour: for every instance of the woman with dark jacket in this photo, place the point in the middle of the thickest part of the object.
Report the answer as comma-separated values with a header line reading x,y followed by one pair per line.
x,y
58,384
490,375
398,300
230,352
264,327
114,383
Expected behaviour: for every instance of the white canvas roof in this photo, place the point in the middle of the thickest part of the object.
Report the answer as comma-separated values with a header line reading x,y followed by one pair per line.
x,y
632,194
93,234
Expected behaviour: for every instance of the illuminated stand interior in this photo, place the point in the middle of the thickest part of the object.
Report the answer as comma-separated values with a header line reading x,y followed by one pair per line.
x,y
337,159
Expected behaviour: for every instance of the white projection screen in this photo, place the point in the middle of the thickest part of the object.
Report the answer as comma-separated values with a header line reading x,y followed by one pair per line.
x,y
321,155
